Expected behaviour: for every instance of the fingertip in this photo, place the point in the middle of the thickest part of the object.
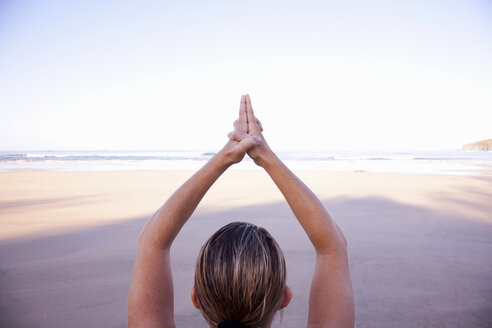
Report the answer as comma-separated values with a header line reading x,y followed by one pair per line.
x,y
258,122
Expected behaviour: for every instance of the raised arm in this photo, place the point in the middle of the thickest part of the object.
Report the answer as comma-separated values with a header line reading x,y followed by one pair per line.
x,y
331,302
151,299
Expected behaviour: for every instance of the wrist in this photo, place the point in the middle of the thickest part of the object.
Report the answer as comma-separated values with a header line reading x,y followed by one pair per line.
x,y
266,158
222,160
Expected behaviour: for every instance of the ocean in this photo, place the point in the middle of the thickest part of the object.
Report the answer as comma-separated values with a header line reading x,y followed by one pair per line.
x,y
452,162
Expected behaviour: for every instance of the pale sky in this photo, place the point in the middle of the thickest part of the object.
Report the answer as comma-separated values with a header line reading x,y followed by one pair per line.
x,y
356,75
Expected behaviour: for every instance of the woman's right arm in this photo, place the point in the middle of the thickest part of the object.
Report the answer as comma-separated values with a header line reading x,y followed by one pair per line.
x,y
331,301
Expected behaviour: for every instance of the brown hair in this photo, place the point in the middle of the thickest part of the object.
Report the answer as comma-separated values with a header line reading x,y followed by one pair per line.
x,y
240,276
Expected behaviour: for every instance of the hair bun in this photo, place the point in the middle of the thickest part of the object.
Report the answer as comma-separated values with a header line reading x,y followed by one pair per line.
x,y
230,324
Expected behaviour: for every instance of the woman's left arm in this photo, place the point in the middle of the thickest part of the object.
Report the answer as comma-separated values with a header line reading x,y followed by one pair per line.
x,y
151,299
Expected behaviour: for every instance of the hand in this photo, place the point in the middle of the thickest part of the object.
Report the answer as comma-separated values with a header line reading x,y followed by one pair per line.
x,y
249,126
236,148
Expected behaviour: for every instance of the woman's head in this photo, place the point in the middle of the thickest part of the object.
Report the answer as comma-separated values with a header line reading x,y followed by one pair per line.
x,y
240,276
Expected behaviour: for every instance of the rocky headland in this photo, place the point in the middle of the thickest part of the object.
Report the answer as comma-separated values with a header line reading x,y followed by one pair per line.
x,y
479,145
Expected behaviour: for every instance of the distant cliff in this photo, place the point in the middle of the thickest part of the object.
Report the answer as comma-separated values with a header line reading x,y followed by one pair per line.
x,y
479,145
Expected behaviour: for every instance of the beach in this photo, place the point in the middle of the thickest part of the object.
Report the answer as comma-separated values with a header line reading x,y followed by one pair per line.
x,y
420,245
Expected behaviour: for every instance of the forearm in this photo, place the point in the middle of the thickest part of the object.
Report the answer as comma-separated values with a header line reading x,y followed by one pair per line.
x,y
165,224
312,215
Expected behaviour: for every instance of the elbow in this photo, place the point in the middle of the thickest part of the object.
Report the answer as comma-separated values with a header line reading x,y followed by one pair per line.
x,y
144,240
337,244
142,235
341,237
145,237
150,237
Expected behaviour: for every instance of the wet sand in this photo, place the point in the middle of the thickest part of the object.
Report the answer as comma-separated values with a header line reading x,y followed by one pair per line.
x,y
420,246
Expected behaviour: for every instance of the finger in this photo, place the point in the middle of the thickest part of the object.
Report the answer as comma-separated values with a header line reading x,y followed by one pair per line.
x,y
247,143
259,124
236,122
237,135
251,116
243,120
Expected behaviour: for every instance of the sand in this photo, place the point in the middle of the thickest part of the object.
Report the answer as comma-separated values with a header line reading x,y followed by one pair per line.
x,y
420,246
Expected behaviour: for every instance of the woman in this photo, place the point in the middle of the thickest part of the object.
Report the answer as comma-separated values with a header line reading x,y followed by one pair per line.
x,y
240,272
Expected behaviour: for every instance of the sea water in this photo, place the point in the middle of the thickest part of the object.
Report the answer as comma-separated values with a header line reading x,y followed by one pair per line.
x,y
457,162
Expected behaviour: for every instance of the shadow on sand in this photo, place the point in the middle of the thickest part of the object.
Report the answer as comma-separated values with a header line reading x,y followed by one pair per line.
x,y
411,267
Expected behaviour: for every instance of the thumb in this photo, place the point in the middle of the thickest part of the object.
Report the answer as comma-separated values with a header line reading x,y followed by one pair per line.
x,y
247,143
235,135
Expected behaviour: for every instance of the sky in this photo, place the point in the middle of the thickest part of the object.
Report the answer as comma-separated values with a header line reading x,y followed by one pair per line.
x,y
341,75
